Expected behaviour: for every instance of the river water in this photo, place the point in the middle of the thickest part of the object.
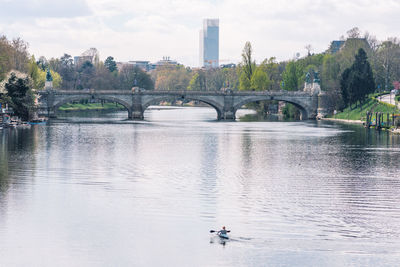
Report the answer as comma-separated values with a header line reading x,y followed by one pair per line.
x,y
105,191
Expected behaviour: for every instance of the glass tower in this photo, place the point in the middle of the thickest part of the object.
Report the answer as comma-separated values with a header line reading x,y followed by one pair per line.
x,y
209,43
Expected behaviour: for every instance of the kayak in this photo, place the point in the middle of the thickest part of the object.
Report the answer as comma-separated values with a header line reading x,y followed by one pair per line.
x,y
223,236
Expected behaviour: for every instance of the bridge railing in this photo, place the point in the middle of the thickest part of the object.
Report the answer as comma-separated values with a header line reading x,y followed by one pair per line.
x,y
173,92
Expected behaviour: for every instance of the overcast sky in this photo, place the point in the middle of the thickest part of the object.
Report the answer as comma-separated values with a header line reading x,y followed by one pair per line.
x,y
151,29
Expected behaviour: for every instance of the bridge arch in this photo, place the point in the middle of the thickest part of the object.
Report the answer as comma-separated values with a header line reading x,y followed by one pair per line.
x,y
157,99
303,108
127,106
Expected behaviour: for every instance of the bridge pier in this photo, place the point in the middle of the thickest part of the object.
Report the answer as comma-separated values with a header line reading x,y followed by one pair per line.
x,y
137,110
323,105
130,116
228,111
51,113
135,115
227,115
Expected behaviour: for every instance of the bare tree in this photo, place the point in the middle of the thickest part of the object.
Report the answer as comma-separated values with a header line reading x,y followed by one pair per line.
x,y
372,41
354,33
309,49
389,57
20,55
6,60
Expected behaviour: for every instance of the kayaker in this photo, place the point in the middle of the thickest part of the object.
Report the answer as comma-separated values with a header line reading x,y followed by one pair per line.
x,y
223,231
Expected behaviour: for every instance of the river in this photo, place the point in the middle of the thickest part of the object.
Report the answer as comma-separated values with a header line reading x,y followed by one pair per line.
x,y
105,191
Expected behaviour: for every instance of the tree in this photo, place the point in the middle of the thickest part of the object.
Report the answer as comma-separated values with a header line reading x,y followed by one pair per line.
x,y
291,76
363,79
38,75
103,79
372,41
171,77
13,56
244,82
21,96
330,75
350,48
344,85
6,62
388,61
57,80
66,60
231,78
309,49
214,79
357,81
132,76
20,55
271,68
65,67
294,75
248,63
247,67
198,82
110,64
42,63
194,83
259,80
354,33
86,75
33,71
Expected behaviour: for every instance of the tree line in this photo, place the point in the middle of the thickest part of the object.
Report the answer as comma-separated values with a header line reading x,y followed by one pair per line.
x,y
98,75
340,70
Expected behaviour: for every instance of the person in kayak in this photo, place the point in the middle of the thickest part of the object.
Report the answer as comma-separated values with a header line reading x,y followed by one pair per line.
x,y
223,231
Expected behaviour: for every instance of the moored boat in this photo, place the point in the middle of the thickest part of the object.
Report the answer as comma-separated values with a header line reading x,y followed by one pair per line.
x,y
38,121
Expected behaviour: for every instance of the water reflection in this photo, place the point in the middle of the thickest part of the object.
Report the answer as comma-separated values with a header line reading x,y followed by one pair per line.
x,y
208,173
107,191
4,178
17,151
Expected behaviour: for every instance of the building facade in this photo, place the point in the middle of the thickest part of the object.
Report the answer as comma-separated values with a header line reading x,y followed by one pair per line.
x,y
209,44
146,65
91,55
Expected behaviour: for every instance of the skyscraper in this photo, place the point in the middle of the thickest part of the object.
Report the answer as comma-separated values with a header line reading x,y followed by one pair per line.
x,y
209,43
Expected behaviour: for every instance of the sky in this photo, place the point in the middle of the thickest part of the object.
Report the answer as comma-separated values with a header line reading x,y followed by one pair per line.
x,y
152,29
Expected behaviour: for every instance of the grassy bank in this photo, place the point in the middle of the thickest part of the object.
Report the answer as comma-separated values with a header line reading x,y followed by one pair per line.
x,y
359,113
90,106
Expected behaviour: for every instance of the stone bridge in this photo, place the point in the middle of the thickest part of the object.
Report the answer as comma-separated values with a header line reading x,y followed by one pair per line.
x,y
226,103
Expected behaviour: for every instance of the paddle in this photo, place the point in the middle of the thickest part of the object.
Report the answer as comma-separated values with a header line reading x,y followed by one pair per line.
x,y
213,231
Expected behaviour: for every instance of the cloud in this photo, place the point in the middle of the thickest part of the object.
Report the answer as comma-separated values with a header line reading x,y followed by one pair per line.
x,y
25,9
148,30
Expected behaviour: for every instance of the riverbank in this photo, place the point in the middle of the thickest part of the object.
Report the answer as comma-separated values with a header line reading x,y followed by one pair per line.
x,y
344,120
358,115
395,131
370,105
360,122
